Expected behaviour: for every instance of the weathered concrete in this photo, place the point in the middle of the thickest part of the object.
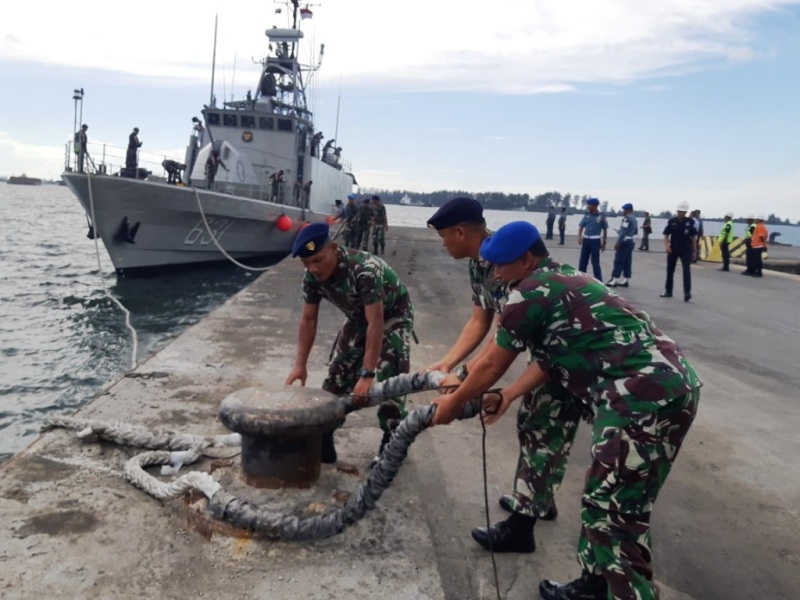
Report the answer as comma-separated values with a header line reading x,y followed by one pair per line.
x,y
725,526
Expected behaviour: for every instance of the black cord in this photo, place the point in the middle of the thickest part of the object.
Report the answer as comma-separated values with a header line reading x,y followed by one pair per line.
x,y
486,503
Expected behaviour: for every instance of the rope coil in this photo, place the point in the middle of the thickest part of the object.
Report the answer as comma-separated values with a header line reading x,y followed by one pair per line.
x,y
174,449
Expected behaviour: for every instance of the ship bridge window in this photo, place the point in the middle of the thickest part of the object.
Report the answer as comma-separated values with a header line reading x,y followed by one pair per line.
x,y
285,125
229,120
248,121
213,118
266,123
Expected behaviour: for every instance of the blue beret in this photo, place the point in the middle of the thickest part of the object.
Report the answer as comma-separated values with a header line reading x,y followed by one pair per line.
x,y
455,211
627,206
593,201
310,240
351,196
509,242
366,200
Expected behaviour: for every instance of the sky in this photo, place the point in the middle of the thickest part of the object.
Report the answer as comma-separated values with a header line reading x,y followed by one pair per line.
x,y
652,103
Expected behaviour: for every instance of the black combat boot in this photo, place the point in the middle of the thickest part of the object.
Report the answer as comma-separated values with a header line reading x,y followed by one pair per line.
x,y
515,534
507,500
586,587
328,455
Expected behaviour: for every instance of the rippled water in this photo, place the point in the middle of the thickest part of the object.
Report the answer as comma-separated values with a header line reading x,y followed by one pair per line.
x,y
61,338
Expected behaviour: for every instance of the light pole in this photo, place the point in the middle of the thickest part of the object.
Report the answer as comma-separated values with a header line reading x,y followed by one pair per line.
x,y
76,96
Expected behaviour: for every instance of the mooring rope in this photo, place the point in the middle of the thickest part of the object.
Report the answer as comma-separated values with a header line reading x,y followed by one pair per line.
x,y
125,434
217,244
134,335
175,449
222,250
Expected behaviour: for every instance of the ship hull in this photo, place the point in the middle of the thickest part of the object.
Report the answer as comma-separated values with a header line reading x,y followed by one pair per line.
x,y
148,226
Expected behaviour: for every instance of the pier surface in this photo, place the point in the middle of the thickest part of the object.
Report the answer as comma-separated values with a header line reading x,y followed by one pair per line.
x,y
727,524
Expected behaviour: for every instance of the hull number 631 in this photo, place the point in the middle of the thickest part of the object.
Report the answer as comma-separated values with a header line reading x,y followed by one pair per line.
x,y
199,233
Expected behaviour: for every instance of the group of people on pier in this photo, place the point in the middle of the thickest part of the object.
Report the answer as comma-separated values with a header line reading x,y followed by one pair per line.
x,y
361,220
591,356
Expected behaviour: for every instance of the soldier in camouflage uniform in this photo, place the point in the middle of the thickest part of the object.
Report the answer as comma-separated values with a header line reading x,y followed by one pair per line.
x,y
362,228
351,221
373,343
380,225
462,228
616,362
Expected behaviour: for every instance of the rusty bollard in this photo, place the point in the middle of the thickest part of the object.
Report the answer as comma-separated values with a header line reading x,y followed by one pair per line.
x,y
281,433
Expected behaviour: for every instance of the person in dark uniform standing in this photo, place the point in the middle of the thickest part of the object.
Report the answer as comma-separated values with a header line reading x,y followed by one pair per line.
x,y
551,219
680,243
380,225
647,229
132,158
212,166
276,182
562,225
623,255
592,234
81,146
364,219
351,221
724,240
748,239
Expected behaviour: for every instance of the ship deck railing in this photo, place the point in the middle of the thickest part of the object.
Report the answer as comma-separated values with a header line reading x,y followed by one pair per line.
x,y
107,159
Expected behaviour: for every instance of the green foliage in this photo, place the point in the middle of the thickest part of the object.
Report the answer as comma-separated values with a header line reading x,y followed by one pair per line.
x,y
526,202
491,200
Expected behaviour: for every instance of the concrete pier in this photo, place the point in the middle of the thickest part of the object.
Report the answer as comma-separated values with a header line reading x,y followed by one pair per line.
x,y
727,524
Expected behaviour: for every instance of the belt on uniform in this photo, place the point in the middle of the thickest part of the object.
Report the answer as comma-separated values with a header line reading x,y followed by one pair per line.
x,y
628,238
591,237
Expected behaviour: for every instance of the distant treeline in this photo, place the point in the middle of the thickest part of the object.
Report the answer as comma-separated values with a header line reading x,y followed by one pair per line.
x,y
524,202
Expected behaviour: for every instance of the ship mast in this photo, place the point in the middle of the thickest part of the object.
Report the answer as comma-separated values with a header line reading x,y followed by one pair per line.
x,y
213,61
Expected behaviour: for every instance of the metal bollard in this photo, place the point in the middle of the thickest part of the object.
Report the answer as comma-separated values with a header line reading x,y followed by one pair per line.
x,y
281,433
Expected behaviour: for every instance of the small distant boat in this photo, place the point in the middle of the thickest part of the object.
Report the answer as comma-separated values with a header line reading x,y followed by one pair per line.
x,y
24,180
407,201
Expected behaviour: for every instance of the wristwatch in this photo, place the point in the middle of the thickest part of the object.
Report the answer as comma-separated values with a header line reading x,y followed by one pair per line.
x,y
461,372
366,373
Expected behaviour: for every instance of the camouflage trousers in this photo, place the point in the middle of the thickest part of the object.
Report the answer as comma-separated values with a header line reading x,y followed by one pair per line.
x,y
630,462
546,424
348,358
378,238
363,231
352,235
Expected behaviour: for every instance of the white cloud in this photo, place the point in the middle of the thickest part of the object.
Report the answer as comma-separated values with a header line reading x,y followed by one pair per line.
x,y
516,46
34,161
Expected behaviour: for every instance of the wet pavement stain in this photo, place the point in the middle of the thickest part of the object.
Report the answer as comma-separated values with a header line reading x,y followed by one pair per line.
x,y
38,469
59,523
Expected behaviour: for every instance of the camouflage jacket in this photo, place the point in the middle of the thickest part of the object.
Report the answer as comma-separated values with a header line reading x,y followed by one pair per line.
x,y
379,215
360,279
364,214
351,213
604,350
487,292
